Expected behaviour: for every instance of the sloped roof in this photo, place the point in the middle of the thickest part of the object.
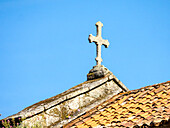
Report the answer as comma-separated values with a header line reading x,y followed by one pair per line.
x,y
147,106
64,107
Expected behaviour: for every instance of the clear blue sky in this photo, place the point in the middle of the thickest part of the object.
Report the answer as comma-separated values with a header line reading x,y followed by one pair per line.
x,y
44,48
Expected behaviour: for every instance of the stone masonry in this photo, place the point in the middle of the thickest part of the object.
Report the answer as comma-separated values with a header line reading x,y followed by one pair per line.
x,y
60,109
99,70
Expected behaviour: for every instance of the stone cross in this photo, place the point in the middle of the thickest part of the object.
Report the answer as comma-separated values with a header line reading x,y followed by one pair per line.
x,y
99,42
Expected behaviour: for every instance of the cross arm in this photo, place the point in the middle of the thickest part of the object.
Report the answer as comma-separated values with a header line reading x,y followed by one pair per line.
x,y
106,43
98,40
92,38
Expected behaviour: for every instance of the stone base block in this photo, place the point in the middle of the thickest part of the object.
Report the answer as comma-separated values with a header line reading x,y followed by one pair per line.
x,y
97,71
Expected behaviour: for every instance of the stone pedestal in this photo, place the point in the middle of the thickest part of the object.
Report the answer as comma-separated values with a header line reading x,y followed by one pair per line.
x,y
97,71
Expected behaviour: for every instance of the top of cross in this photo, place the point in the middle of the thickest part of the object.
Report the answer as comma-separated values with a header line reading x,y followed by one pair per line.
x,y
98,41
99,31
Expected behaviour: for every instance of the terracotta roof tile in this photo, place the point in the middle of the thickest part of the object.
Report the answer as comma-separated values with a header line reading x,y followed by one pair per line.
x,y
79,123
148,106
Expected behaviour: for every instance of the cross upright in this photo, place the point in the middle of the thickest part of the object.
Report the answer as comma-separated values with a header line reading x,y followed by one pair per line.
x,y
99,42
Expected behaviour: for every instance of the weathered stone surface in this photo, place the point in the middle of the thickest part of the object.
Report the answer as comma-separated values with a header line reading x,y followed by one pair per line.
x,y
60,109
97,71
99,42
